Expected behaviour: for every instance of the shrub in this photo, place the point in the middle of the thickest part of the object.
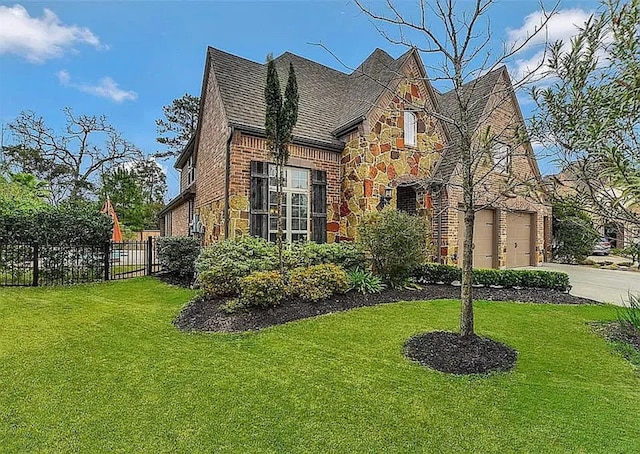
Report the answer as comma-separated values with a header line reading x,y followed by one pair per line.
x,y
396,242
630,314
218,282
632,251
317,282
573,232
177,254
262,289
345,255
431,273
363,281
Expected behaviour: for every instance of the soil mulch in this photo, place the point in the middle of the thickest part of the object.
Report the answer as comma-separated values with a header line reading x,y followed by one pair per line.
x,y
174,279
206,315
617,332
453,354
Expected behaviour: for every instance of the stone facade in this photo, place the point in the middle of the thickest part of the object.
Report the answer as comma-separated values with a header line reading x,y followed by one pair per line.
x,y
378,160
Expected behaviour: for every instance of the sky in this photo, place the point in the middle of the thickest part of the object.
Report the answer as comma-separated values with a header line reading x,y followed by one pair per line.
x,y
127,59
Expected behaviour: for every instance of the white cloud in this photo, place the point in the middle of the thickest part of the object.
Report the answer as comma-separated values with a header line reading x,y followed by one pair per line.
x,y
562,26
105,88
39,39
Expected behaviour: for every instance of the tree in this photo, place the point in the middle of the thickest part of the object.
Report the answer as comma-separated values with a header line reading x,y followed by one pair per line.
x,y
573,232
72,160
137,193
589,117
279,122
461,36
21,193
178,125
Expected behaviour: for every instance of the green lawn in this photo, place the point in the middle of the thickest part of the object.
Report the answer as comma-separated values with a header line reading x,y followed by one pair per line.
x,y
101,368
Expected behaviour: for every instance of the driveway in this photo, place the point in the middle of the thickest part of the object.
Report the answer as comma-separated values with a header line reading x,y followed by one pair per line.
x,y
607,286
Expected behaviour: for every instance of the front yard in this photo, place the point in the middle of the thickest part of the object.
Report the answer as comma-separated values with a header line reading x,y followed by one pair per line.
x,y
101,368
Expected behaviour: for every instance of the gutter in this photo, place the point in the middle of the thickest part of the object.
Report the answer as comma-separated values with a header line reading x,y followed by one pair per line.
x,y
227,180
345,128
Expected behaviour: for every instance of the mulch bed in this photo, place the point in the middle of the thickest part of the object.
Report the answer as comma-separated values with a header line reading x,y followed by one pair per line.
x,y
206,315
616,332
174,279
453,354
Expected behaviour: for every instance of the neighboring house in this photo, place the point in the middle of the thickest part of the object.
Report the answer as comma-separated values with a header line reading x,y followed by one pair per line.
x,y
362,141
621,228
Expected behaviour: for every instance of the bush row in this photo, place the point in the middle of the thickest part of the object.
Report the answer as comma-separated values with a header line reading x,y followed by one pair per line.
x,y
222,265
432,273
313,283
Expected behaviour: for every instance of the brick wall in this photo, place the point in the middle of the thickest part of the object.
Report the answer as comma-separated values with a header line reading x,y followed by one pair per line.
x,y
246,148
180,220
517,190
211,149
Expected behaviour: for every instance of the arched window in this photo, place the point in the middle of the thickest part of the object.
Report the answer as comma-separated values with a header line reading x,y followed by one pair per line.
x,y
410,128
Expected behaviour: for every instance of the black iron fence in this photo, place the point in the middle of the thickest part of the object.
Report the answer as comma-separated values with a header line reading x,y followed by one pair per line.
x,y
41,265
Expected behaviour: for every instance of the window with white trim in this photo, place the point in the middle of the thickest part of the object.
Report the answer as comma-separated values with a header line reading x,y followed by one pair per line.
x,y
501,157
295,204
191,171
410,128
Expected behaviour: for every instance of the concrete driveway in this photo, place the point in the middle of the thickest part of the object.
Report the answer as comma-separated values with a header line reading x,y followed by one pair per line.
x,y
607,286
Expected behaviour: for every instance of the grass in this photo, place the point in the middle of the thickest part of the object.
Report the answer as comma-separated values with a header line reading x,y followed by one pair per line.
x,y
100,368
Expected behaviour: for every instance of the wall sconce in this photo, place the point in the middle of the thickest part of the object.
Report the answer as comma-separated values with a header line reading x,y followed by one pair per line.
x,y
385,199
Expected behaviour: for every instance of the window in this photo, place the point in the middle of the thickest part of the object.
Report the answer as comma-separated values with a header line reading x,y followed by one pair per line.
x,y
295,204
410,128
501,157
191,171
168,224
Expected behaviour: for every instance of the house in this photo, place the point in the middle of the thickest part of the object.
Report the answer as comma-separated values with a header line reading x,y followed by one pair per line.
x,y
621,224
363,140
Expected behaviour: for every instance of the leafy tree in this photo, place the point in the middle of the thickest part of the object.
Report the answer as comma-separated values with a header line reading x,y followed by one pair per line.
x,y
279,122
71,160
590,115
178,125
573,233
136,192
21,193
460,34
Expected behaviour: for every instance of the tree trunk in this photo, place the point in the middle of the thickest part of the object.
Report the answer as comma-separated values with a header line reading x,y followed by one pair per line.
x,y
279,171
466,293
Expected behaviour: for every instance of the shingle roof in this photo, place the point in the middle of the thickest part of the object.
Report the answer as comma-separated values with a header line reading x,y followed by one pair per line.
x,y
329,99
475,94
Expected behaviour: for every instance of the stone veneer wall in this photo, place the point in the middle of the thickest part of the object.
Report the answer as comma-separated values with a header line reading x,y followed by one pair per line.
x,y
377,159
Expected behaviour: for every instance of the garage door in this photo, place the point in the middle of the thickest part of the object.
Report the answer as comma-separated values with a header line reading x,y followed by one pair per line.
x,y
519,227
484,239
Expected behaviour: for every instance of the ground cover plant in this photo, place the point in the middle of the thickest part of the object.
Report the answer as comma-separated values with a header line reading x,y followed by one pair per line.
x,y
101,368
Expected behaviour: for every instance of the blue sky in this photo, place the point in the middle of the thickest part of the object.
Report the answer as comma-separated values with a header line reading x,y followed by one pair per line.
x,y
127,59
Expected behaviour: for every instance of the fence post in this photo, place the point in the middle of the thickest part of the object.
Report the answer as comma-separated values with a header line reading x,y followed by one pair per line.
x,y
107,256
36,264
149,256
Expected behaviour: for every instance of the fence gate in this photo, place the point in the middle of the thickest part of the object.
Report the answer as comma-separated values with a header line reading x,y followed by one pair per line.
x,y
132,258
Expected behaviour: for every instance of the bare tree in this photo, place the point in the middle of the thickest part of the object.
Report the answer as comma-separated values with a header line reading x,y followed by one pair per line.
x,y
461,37
70,161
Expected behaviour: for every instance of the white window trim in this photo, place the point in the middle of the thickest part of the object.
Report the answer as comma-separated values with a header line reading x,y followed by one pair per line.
x,y
501,156
410,128
288,192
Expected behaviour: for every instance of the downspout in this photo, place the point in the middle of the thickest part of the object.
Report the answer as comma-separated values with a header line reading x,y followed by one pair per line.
x,y
227,179
440,224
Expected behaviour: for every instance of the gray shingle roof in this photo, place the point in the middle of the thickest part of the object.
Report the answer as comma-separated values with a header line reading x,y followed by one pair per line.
x,y
329,99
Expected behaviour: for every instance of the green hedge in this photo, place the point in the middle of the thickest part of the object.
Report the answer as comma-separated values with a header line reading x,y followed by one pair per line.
x,y
432,273
177,254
